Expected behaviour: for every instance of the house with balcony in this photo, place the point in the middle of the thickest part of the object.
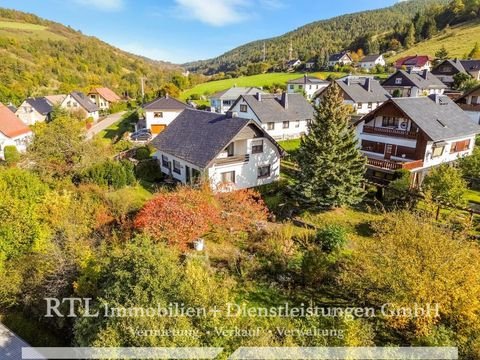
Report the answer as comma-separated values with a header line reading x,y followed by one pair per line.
x,y
222,101
103,97
34,109
78,102
229,152
13,132
160,112
362,93
282,117
414,63
308,85
415,134
413,84
340,59
470,103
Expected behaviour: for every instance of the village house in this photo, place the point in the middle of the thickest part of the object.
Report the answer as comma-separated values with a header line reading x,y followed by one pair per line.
x,y
34,110
311,64
292,65
413,84
79,102
283,117
362,93
414,63
160,112
228,151
369,62
340,59
470,103
222,101
447,69
55,100
103,97
13,132
306,84
415,134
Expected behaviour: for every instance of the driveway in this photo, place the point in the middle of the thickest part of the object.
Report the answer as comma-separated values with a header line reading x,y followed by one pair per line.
x,y
105,123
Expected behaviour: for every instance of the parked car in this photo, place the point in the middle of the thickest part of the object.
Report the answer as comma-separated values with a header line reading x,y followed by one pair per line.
x,y
141,135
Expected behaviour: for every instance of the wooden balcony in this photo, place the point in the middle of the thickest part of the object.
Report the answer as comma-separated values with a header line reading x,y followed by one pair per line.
x,y
232,159
390,132
394,165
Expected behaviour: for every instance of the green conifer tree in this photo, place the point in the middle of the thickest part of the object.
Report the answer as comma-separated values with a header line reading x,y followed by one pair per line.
x,y
331,165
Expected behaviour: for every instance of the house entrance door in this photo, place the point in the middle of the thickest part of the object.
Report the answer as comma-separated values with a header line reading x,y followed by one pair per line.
x,y
388,151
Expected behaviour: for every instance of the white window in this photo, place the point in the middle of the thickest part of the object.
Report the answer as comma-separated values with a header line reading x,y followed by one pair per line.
x,y
271,126
164,161
243,108
438,151
177,167
398,81
257,146
297,124
286,124
158,114
263,171
228,177
292,87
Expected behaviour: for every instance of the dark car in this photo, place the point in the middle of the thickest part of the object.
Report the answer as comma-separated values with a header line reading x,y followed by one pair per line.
x,y
141,135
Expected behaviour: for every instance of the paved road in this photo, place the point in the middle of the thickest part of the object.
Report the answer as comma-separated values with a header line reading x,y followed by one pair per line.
x,y
105,123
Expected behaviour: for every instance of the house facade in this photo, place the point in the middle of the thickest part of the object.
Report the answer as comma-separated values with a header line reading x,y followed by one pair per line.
x,y
227,151
341,59
282,117
34,110
292,65
362,93
413,84
13,132
103,97
222,101
414,63
160,112
309,85
79,102
415,134
369,62
470,103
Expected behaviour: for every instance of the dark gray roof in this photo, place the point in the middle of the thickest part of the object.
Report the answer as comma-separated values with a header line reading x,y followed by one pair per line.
x,y
308,80
234,92
467,93
84,101
11,345
363,89
337,57
199,136
271,108
438,116
455,64
370,58
12,108
166,103
421,80
471,65
41,105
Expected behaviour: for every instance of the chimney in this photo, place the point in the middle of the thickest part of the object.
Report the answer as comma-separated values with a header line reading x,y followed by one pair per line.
x,y
284,101
368,84
231,114
305,80
425,73
166,96
259,96
348,80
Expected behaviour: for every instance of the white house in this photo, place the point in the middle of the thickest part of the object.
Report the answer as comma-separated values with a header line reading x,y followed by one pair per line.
x,y
282,117
160,112
103,97
306,84
369,62
414,63
413,84
78,101
13,132
342,58
222,101
362,93
34,110
415,134
228,151
470,103
292,65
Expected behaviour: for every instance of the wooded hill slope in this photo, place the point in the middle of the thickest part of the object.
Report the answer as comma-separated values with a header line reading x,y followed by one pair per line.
x,y
348,31
40,57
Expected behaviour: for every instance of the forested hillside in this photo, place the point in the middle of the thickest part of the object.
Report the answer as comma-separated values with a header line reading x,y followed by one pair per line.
x,y
40,56
368,30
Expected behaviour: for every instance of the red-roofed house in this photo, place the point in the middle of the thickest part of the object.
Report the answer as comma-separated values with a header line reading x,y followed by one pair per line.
x,y
414,63
13,132
103,97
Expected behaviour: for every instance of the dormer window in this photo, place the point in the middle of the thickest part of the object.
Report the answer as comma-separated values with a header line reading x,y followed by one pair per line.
x,y
398,81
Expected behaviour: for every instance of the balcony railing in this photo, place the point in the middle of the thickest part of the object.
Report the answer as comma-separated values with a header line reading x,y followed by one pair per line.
x,y
394,165
390,132
232,159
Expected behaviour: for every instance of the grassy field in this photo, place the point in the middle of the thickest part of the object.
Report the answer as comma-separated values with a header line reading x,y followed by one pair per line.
x,y
211,87
458,40
21,30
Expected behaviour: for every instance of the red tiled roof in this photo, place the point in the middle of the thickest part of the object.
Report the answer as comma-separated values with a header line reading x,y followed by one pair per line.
x,y
10,125
107,94
415,60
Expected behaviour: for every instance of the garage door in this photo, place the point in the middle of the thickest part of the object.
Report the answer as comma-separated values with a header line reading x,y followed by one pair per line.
x,y
157,129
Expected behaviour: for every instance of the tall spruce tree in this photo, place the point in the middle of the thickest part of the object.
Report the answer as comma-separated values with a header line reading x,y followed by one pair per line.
x,y
331,165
